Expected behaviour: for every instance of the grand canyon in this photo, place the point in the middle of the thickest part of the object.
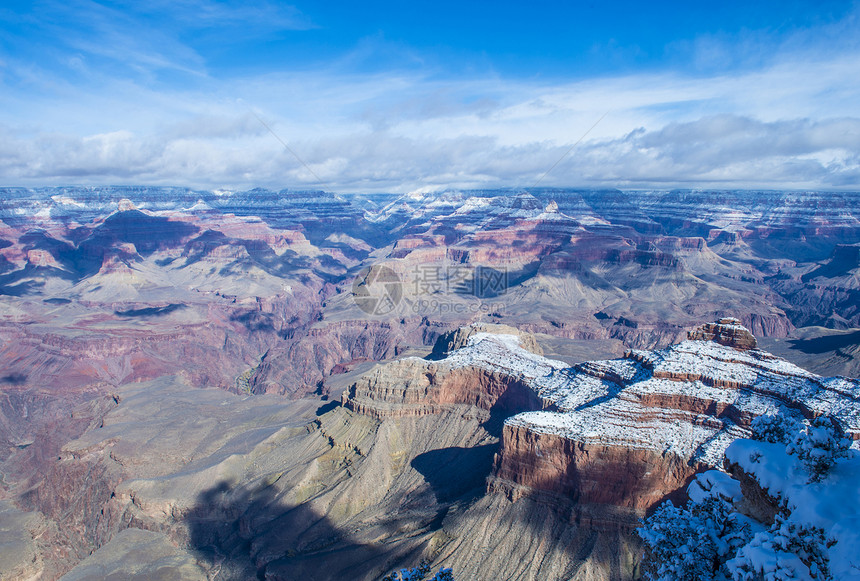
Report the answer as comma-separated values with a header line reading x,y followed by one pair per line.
x,y
299,384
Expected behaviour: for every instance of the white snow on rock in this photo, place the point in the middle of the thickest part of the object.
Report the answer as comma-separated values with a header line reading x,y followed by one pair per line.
x,y
692,399
832,504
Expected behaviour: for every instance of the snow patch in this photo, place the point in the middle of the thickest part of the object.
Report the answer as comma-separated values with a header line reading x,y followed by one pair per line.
x,y
638,401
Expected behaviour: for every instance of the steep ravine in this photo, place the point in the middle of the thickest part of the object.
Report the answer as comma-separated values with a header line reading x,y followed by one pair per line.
x,y
255,486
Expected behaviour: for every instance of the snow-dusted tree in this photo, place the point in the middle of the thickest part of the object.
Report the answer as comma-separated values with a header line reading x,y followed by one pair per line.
x,y
419,573
692,543
774,428
786,552
820,445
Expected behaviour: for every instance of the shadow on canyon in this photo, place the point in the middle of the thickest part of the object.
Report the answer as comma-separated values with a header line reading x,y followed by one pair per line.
x,y
150,311
247,532
327,407
14,378
826,343
456,473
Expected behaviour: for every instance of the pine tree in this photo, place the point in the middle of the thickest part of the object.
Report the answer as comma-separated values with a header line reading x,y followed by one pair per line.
x,y
692,543
419,573
820,445
786,552
774,428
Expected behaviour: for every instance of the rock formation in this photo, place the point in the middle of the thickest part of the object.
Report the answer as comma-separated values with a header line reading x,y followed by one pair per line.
x,y
105,290
482,451
624,433
727,331
459,338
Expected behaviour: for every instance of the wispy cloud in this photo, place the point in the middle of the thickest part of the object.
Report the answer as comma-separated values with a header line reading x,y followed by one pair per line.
x,y
784,118
253,17
730,150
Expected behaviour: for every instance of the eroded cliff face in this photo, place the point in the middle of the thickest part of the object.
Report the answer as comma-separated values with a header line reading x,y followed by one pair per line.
x,y
727,331
630,480
256,486
267,488
487,457
104,286
459,338
308,356
619,435
415,387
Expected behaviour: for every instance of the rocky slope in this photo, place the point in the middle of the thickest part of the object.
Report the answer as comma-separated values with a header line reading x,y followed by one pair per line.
x,y
97,265
485,456
258,293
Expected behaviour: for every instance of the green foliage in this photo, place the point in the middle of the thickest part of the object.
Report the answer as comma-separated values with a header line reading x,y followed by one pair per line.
x,y
419,573
692,543
819,446
774,428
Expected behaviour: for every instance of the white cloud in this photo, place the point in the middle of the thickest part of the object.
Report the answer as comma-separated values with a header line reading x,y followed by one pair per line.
x,y
725,150
792,122
731,150
252,17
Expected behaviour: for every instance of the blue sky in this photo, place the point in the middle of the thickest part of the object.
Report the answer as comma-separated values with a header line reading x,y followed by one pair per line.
x,y
385,96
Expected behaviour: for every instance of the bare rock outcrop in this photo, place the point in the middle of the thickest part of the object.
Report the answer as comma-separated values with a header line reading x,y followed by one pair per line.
x,y
727,331
758,502
587,473
414,386
459,338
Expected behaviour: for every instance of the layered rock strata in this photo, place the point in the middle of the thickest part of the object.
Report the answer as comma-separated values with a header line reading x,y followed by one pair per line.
x,y
638,428
484,371
727,331
624,433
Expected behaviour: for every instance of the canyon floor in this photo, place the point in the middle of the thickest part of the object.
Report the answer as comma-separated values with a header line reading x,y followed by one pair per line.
x,y
262,384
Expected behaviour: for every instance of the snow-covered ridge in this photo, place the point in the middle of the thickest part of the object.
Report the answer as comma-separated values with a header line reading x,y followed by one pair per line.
x,y
503,353
692,399
743,212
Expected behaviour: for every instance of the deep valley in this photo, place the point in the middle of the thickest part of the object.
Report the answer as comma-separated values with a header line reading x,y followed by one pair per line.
x,y
304,385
